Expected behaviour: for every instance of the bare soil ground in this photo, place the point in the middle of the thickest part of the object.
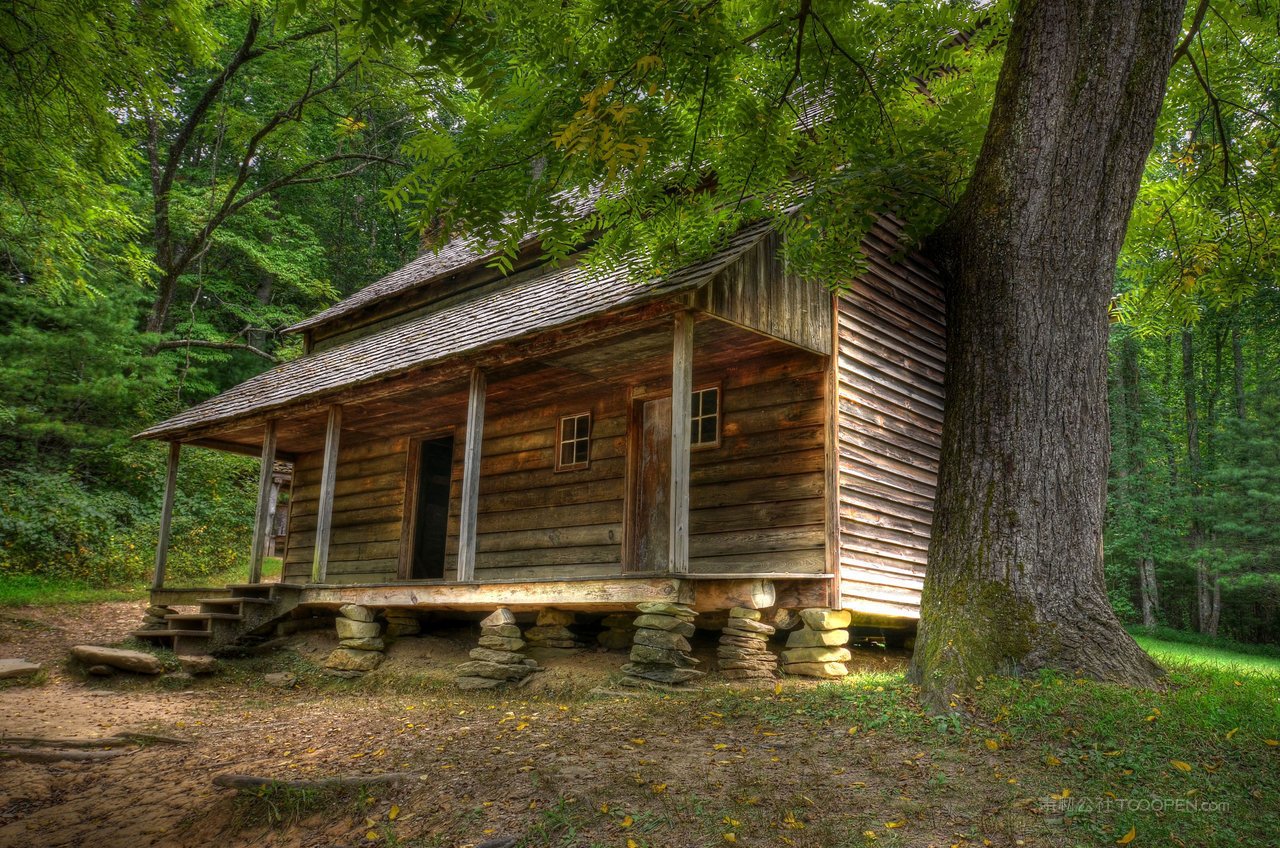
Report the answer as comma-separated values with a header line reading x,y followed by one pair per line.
x,y
573,760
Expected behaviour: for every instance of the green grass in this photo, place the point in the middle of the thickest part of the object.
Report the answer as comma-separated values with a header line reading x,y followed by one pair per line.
x,y
1211,657
18,590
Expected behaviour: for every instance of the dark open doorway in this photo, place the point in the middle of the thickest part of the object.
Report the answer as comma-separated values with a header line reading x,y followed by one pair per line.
x,y
434,463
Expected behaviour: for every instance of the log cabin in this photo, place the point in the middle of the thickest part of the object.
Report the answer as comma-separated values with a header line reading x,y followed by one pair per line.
x,y
728,434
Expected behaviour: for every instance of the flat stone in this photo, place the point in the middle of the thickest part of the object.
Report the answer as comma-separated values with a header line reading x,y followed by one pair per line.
x,y
501,643
135,661
554,617
827,670
468,683
661,639
486,655
615,640
349,629
403,627
345,659
556,643
826,619
746,625
816,655
743,612
807,638
341,673
355,612
13,668
617,621
494,671
546,652
280,679
160,612
660,656
664,608
740,665
666,622
543,632
661,673
733,652
101,670
509,631
198,663
753,643
373,643
500,616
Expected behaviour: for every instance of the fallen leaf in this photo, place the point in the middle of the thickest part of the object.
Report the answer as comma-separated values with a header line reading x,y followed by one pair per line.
x,y
992,744
1232,732
894,824
731,837
627,821
1272,742
853,730
1180,765
1051,760
1128,837
394,812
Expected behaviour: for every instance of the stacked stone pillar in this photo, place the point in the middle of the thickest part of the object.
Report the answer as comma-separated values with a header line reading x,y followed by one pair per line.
x,y
551,637
360,643
618,633
660,645
154,617
401,622
744,652
818,648
498,660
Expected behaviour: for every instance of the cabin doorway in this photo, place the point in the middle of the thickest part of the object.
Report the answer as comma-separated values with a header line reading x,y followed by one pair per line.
x,y
434,463
651,496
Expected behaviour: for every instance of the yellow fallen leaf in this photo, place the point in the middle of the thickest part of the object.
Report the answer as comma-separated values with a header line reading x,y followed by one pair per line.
x,y
1232,732
1063,795
372,836
992,744
731,837
659,788
853,730
637,741
731,822
604,808
394,812
1272,742
626,822
777,688
522,725
894,824
631,843
719,746
1128,837
1051,760
869,834
1180,765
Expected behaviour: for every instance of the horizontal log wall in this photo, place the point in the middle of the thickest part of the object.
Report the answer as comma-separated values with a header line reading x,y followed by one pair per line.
x,y
891,350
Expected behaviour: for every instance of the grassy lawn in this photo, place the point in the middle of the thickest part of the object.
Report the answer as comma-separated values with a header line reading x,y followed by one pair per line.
x,y
18,590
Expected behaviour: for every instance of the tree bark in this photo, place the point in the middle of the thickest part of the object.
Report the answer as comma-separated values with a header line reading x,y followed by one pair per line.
x,y
1015,579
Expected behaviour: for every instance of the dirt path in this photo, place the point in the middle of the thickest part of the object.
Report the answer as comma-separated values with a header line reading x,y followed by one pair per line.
x,y
554,766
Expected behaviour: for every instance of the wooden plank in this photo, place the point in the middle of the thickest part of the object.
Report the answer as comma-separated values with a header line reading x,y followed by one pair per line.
x,y
266,497
328,479
681,412
166,515
470,501
831,457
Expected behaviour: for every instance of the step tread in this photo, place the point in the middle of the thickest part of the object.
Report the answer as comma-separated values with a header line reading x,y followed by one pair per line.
x,y
205,616
226,602
163,634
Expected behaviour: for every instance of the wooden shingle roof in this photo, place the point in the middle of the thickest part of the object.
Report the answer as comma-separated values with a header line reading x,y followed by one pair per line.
x,y
501,312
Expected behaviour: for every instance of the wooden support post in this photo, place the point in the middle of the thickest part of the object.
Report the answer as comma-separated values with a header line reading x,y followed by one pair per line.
x,y
681,418
262,517
324,510
166,515
471,477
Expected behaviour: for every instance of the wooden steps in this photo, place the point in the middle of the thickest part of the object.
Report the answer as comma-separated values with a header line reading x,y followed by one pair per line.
x,y
221,622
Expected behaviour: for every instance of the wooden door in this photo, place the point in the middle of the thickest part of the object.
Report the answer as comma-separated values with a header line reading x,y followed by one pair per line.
x,y
431,522
651,516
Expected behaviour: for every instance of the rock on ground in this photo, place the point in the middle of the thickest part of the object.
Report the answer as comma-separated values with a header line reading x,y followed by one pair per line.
x,y
11,668
346,659
135,661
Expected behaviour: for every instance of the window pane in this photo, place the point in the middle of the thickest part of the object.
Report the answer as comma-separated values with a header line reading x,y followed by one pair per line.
x,y
582,450
584,426
566,453
708,431
566,429
711,401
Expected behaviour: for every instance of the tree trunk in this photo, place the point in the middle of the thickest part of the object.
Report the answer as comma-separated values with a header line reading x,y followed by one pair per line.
x,y
1015,579
1205,580
1149,591
1237,369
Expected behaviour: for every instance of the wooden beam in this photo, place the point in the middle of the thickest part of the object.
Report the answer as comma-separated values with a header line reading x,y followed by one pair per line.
x,y
328,479
681,416
262,516
237,447
471,477
166,515
831,438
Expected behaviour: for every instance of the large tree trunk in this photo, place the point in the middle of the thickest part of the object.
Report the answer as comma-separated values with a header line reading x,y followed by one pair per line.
x,y
1015,577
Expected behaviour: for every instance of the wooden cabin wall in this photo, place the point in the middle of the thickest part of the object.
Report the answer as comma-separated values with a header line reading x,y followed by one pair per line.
x,y
368,511
891,349
756,501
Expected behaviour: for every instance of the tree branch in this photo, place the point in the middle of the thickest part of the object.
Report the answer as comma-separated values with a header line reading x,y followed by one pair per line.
x,y
176,344
1196,22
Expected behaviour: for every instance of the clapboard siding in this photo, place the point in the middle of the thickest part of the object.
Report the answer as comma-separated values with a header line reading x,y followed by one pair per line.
x,y
889,372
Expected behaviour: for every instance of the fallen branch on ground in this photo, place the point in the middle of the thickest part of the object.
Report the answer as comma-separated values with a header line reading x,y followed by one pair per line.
x,y
101,742
40,755
249,781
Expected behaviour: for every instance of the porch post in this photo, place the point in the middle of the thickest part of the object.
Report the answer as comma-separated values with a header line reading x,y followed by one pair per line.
x,y
166,515
681,417
262,518
471,477
324,510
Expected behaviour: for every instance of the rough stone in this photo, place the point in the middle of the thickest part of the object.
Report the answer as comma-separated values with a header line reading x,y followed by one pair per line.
x,y
554,618
747,674
345,659
617,621
807,638
546,632
349,629
816,655
666,622
135,661
739,665
468,683
547,652
555,643
660,656
828,670
733,652
494,671
826,619
101,670
615,640
12,668
403,627
500,616
786,619
746,625
743,612
509,631
501,643
661,673
664,608
280,679
753,643
486,655
355,612
198,663
160,612
660,639
342,673
373,643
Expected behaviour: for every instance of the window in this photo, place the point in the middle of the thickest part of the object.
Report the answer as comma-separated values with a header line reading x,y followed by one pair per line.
x,y
705,431
575,442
